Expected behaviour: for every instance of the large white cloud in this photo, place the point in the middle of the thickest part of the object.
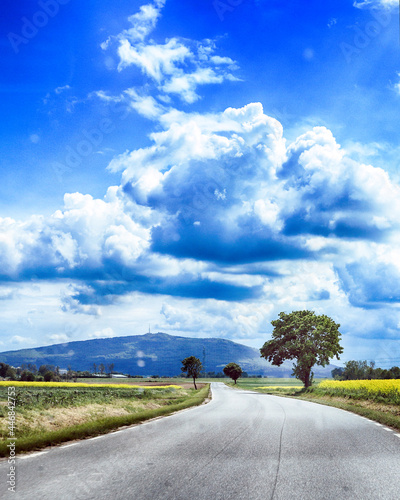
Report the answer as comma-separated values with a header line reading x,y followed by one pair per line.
x,y
221,189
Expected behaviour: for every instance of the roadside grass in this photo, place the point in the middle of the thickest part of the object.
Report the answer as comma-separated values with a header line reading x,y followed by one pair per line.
x,y
47,416
375,402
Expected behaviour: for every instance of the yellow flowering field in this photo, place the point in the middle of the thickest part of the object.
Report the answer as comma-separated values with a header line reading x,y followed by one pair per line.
x,y
81,384
388,390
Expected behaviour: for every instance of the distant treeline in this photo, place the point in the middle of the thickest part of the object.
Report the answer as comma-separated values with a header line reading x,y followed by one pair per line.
x,y
47,373
50,373
220,375
362,370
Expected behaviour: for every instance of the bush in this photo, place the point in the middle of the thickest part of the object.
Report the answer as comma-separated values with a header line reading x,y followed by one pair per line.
x,y
50,377
27,376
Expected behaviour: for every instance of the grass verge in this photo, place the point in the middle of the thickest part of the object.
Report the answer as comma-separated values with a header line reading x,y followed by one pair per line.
x,y
42,439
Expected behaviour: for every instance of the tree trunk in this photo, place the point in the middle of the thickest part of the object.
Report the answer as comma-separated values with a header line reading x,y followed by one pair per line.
x,y
194,382
307,379
235,381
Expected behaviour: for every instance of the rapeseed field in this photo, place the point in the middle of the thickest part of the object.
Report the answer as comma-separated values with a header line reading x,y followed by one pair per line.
x,y
376,390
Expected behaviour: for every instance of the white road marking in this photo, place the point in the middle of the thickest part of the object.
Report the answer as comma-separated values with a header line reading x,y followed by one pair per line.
x,y
32,455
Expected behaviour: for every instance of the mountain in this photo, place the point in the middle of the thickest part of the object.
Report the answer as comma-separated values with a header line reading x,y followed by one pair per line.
x,y
150,354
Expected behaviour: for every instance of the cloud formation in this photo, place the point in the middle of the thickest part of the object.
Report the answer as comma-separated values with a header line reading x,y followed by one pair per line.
x,y
212,192
177,66
366,4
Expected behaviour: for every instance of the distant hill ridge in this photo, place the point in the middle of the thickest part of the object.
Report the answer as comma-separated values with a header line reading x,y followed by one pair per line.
x,y
149,354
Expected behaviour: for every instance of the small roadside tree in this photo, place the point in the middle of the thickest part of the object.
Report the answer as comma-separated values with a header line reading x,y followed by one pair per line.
x,y
192,366
233,371
305,337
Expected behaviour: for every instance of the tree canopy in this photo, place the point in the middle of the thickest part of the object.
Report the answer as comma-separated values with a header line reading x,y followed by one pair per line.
x,y
233,371
305,337
193,367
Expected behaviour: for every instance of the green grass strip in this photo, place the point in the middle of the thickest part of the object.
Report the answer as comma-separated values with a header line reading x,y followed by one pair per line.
x,y
99,426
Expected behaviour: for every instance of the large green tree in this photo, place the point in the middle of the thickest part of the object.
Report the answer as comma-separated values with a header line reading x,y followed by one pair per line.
x,y
192,366
305,337
233,371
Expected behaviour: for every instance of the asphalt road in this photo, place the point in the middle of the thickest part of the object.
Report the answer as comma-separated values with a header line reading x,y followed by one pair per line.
x,y
241,445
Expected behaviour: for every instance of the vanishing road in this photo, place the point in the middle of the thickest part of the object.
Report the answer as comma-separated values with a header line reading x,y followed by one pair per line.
x,y
241,445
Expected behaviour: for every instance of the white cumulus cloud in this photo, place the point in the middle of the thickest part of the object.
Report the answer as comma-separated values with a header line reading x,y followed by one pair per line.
x,y
178,66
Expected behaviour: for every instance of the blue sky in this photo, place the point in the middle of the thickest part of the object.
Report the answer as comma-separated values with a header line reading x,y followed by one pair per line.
x,y
199,167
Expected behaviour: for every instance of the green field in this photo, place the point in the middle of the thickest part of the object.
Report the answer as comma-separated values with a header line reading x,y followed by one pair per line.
x,y
270,385
139,381
270,381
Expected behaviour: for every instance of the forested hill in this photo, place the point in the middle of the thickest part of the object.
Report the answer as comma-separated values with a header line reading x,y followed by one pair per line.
x,y
149,354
